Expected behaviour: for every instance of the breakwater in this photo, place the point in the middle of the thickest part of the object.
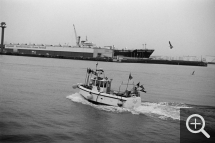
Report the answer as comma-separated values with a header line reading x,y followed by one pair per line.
x,y
107,59
169,62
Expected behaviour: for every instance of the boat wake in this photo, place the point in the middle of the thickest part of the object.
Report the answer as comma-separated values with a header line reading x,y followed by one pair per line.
x,y
162,110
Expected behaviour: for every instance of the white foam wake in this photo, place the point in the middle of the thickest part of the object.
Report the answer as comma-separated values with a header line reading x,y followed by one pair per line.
x,y
159,110
162,110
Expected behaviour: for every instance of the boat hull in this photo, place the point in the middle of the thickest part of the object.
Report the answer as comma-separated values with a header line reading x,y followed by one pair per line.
x,y
109,99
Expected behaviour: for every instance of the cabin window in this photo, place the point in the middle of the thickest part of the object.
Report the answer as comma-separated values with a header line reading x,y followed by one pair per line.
x,y
101,83
105,84
97,83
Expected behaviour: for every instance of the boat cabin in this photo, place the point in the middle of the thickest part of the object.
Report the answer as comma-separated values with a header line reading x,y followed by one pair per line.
x,y
100,84
96,81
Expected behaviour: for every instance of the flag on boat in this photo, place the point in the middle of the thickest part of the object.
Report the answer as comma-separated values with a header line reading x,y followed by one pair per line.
x,y
91,71
138,84
142,89
130,77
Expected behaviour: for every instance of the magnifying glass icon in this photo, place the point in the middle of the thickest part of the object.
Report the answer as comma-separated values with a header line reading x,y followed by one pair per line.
x,y
197,123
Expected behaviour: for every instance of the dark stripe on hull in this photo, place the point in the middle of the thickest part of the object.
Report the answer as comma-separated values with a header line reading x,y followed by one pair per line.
x,y
97,103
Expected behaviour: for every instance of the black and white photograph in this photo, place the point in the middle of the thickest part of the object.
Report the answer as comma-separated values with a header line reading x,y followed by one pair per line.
x,y
107,71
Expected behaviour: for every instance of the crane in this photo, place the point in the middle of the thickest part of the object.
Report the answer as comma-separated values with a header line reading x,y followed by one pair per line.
x,y
77,37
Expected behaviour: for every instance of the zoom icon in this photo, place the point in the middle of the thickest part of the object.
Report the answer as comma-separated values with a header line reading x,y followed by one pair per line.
x,y
199,121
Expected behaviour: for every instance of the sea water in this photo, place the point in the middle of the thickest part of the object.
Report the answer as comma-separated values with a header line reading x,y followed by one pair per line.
x,y
38,103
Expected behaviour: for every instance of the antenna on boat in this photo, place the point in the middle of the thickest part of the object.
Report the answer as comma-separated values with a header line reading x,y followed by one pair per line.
x,y
86,76
96,65
120,86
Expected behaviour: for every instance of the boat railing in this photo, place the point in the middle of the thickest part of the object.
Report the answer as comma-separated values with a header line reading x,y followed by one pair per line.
x,y
127,93
126,85
88,86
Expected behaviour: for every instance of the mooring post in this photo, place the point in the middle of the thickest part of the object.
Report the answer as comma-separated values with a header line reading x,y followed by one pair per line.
x,y
3,25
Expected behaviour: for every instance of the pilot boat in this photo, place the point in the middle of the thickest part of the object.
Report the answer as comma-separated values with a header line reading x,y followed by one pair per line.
x,y
97,90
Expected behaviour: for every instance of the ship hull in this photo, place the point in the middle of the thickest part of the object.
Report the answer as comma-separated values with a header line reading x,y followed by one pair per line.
x,y
49,51
138,53
109,99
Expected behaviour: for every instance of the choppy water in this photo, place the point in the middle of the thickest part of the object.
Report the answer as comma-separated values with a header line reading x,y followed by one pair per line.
x,y
38,103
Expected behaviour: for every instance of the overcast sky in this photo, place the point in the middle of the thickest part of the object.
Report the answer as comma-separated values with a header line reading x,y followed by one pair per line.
x,y
188,24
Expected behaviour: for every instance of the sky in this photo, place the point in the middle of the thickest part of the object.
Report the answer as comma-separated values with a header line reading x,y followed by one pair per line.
x,y
188,24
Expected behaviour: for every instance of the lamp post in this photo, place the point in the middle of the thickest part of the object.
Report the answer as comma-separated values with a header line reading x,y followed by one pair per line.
x,y
3,25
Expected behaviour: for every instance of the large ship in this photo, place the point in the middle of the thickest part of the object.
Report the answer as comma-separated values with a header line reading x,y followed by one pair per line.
x,y
137,53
